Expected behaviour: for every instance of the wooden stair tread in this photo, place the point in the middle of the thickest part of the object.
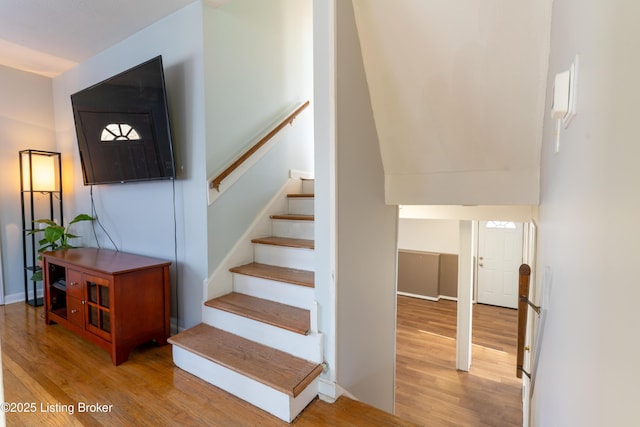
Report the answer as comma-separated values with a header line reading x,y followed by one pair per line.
x,y
283,316
294,217
301,195
277,369
280,274
285,241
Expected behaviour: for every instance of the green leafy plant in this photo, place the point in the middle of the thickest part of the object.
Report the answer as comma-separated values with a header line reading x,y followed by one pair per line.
x,y
55,237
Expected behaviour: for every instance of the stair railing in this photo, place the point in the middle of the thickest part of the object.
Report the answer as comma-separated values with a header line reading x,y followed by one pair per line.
x,y
523,309
216,184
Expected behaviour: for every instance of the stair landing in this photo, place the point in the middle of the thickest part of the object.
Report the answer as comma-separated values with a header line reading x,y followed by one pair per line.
x,y
276,369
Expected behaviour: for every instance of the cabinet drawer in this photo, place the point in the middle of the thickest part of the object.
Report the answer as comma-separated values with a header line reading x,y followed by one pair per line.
x,y
74,283
74,311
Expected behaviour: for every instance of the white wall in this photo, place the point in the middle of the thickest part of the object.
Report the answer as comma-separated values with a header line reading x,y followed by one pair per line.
x,y
429,235
26,121
139,216
367,234
458,97
259,63
588,230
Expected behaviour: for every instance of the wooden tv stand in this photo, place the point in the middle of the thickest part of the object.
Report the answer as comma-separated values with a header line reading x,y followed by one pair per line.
x,y
112,299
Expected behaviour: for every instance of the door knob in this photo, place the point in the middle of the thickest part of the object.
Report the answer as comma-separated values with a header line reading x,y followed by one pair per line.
x,y
480,264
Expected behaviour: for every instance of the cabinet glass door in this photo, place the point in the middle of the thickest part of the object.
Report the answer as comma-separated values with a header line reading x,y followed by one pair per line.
x,y
98,306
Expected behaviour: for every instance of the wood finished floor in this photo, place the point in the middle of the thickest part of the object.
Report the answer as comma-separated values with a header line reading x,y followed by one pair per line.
x,y
429,389
51,365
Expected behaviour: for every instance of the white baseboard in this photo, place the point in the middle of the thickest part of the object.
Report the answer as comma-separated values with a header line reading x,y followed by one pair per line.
x,y
408,294
19,297
329,391
436,299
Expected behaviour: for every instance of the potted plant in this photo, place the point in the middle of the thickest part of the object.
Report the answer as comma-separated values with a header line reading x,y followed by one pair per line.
x,y
55,237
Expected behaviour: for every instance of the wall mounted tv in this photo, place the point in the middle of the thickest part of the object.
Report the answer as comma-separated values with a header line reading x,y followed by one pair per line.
x,y
122,126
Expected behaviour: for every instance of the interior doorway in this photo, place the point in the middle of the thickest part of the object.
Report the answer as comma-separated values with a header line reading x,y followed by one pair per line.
x,y
457,230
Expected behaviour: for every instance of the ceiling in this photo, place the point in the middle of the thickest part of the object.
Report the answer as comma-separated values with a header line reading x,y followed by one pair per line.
x,y
48,37
460,109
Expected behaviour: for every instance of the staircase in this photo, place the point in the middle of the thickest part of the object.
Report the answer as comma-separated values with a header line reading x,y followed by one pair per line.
x,y
260,342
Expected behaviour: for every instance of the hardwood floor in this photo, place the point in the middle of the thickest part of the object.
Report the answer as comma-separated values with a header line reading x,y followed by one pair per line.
x,y
429,389
56,370
51,366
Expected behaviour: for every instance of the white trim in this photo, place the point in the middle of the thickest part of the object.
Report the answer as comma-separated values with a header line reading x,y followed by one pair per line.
x,y
313,329
329,391
293,228
284,256
301,206
517,213
298,174
408,294
533,323
425,297
308,347
258,394
526,401
324,86
274,290
465,291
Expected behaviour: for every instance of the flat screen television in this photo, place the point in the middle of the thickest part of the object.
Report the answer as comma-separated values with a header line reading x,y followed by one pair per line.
x,y
122,127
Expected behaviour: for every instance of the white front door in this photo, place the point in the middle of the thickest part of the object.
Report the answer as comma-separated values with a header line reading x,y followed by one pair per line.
x,y
499,258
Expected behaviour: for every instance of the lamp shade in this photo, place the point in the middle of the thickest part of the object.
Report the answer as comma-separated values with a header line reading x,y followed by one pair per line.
x,y
39,172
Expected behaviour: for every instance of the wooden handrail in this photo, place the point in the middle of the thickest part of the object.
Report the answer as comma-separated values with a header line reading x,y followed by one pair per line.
x,y
215,182
523,308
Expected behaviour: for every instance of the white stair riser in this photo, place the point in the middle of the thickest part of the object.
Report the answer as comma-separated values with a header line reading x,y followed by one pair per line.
x,y
272,290
283,256
293,229
308,186
301,205
308,347
264,397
